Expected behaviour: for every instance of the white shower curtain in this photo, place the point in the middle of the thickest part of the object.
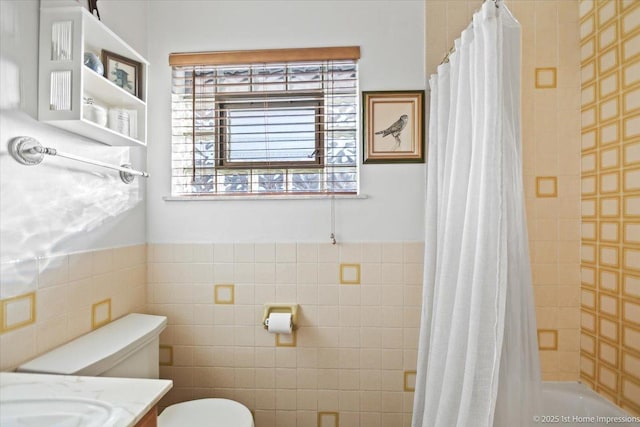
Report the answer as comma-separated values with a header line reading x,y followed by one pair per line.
x,y
478,355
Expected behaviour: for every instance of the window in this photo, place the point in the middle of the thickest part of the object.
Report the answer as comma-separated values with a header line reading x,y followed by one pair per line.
x,y
285,125
292,124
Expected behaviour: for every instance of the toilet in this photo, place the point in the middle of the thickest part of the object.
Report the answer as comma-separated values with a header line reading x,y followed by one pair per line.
x,y
129,348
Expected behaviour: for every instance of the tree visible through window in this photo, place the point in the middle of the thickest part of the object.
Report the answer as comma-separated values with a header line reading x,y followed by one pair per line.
x,y
265,128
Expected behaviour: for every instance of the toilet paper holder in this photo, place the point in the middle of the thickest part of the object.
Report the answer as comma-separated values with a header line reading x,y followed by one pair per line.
x,y
281,308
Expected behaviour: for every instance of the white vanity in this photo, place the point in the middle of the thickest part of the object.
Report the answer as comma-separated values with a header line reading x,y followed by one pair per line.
x,y
38,399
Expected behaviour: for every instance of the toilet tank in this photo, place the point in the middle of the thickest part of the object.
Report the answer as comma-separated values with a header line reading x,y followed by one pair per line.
x,y
127,347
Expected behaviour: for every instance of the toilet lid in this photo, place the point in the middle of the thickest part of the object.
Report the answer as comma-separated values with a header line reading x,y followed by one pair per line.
x,y
206,413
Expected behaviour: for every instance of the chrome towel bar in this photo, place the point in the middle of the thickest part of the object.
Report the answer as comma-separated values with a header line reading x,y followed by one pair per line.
x,y
28,151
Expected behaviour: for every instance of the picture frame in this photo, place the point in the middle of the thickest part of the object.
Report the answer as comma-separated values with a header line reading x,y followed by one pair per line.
x,y
123,72
393,126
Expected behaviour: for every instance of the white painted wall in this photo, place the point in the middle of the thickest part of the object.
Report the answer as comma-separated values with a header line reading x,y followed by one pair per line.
x,y
59,206
391,36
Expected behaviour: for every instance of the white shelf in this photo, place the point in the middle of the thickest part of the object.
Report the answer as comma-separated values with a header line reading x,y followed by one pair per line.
x,y
82,32
92,130
108,92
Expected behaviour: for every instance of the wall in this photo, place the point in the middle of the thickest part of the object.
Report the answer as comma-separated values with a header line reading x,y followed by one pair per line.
x,y
355,342
356,347
75,293
610,317
53,216
550,146
391,36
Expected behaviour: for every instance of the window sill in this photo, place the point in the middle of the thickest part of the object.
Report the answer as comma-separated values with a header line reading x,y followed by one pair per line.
x,y
266,197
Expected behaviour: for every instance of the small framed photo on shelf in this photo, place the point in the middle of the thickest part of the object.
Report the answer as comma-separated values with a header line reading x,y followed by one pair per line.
x,y
124,72
393,126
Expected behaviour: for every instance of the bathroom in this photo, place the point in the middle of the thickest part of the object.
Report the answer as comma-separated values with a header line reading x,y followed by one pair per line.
x,y
79,248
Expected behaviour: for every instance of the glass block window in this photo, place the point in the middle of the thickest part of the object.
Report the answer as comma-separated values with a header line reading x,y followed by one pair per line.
x,y
275,127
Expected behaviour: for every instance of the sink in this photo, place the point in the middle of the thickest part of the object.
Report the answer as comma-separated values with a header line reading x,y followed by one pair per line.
x,y
59,412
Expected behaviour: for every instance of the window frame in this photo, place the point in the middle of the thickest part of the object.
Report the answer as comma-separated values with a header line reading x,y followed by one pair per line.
x,y
200,176
313,99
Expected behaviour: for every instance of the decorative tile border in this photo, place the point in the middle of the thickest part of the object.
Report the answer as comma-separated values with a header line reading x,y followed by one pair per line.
x,y
100,313
349,274
588,367
286,340
630,390
631,312
547,339
588,343
630,285
608,378
609,280
631,338
17,312
609,328
328,419
224,294
546,186
166,355
631,365
608,353
410,380
546,78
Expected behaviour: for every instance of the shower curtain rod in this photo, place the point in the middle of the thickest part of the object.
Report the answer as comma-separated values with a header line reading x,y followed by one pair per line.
x,y
453,48
28,151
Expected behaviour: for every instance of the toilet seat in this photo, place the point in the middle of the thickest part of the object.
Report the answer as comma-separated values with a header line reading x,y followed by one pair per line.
x,y
206,413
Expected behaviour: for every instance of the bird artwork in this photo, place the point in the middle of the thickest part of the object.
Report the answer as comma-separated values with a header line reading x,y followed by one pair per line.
x,y
395,129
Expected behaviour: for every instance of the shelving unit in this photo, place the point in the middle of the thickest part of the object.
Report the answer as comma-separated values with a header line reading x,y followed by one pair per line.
x,y
67,31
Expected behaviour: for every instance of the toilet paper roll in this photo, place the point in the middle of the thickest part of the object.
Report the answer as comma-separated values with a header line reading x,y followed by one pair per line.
x,y
279,323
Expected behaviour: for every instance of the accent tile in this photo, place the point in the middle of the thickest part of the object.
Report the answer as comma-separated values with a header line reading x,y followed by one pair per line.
x,y
409,380
631,364
631,312
17,312
100,313
547,339
166,355
224,294
328,419
546,186
546,78
608,353
349,274
286,340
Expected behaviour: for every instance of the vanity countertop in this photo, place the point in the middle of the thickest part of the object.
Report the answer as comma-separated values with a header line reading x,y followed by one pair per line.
x,y
131,398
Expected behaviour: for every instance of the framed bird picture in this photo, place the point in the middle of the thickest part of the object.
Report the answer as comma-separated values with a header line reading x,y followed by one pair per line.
x,y
393,126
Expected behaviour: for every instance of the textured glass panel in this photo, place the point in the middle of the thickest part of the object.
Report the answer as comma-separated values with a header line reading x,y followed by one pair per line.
x,y
205,82
234,80
62,41
205,153
271,181
233,182
305,77
342,156
269,79
203,184
60,97
341,182
205,120
305,182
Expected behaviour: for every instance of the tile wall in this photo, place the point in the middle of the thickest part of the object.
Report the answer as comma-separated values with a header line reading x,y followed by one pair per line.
x,y
352,361
610,295
551,159
71,295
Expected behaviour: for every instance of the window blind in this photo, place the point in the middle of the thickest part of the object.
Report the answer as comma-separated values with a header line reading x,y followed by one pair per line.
x,y
284,127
